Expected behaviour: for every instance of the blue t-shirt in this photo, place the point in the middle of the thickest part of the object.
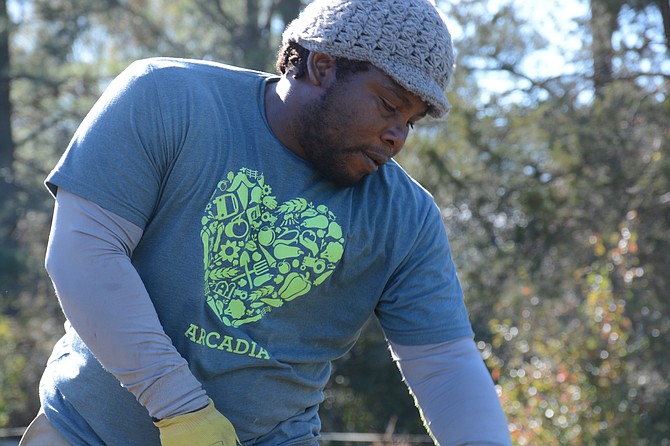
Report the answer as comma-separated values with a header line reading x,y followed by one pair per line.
x,y
261,271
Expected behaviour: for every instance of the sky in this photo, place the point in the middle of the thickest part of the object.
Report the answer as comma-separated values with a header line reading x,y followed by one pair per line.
x,y
556,20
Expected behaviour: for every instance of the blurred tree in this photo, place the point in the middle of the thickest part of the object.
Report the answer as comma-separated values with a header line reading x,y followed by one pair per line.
x,y
9,263
6,142
555,193
604,20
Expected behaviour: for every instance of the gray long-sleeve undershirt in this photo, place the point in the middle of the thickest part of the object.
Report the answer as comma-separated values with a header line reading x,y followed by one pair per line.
x,y
105,301
454,391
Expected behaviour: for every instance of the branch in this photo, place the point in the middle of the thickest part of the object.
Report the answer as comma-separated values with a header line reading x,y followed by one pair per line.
x,y
542,84
636,74
545,84
49,82
154,29
215,8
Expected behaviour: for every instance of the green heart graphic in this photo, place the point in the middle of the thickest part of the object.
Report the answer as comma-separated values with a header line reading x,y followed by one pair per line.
x,y
259,254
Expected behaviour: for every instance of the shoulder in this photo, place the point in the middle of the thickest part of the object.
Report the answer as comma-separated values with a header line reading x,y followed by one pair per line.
x,y
191,73
398,191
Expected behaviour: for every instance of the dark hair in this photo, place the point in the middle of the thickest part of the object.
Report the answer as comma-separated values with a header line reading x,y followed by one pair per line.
x,y
294,56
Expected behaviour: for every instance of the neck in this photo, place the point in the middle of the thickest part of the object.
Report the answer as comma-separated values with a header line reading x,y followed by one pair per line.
x,y
279,112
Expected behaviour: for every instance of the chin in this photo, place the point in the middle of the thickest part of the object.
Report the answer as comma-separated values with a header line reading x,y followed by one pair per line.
x,y
346,182
344,179
342,167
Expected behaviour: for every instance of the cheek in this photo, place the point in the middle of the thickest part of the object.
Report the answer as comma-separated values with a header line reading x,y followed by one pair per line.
x,y
358,126
351,120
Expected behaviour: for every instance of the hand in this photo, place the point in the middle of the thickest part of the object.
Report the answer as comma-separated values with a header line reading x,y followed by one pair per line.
x,y
204,427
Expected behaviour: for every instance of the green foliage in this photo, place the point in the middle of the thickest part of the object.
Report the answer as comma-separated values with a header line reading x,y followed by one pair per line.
x,y
572,370
10,374
28,328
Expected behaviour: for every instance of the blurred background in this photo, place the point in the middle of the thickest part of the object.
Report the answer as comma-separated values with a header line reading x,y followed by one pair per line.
x,y
552,172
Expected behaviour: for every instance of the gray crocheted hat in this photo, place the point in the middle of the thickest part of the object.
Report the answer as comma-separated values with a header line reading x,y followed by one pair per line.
x,y
407,39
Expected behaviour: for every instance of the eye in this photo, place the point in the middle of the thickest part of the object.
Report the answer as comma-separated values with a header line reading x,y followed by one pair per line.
x,y
387,105
392,109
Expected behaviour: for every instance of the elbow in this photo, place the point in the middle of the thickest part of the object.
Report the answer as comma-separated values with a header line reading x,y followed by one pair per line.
x,y
61,267
50,263
70,275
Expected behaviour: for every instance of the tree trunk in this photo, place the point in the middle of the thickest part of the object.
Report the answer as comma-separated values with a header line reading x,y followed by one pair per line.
x,y
253,36
603,24
664,6
252,42
8,212
288,9
6,142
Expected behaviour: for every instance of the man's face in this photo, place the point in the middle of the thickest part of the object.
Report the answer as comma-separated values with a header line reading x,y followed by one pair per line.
x,y
357,125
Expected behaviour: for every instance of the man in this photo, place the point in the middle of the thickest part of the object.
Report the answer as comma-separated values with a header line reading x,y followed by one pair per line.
x,y
221,235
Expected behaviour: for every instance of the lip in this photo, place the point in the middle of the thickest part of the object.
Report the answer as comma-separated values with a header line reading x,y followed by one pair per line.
x,y
378,158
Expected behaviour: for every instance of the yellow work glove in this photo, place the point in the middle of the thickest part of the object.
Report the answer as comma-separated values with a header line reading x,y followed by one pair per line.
x,y
204,427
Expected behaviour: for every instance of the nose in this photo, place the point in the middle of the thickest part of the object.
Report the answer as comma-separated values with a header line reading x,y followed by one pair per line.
x,y
394,137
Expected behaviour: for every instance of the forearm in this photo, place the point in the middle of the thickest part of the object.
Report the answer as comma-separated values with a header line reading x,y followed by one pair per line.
x,y
454,392
103,297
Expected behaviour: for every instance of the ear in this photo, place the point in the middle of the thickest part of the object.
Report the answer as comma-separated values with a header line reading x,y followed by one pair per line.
x,y
320,69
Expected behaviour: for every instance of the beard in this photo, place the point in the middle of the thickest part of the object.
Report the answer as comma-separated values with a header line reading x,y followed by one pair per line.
x,y
322,130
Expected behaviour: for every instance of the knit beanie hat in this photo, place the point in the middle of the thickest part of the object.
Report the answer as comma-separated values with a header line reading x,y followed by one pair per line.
x,y
407,39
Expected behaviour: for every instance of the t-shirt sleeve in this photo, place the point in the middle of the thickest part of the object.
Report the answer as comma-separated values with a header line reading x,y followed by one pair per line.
x,y
423,300
119,155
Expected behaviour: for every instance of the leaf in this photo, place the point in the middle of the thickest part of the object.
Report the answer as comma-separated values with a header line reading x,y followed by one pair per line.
x,y
262,292
223,273
297,205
